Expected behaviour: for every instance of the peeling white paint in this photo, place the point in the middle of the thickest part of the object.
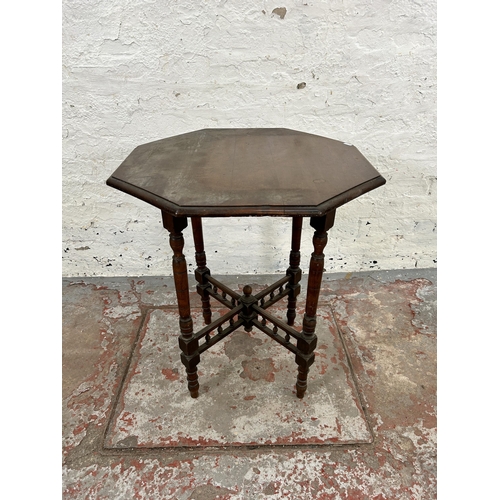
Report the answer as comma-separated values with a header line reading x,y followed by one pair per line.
x,y
134,74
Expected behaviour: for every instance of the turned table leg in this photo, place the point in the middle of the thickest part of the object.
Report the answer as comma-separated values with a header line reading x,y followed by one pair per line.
x,y
294,270
202,270
308,342
188,344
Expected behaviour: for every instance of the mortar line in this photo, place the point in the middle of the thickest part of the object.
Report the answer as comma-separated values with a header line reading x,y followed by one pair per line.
x,y
361,397
167,455
231,448
124,377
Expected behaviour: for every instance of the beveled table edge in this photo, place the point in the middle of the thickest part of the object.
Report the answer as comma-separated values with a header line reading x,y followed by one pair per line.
x,y
246,211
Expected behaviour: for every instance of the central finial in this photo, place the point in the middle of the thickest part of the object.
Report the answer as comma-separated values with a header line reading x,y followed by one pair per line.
x,y
247,290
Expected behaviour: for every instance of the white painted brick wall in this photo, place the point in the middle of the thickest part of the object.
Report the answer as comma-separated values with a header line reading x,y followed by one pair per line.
x,y
134,72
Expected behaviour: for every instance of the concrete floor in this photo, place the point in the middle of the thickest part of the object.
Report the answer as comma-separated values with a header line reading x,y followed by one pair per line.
x,y
366,428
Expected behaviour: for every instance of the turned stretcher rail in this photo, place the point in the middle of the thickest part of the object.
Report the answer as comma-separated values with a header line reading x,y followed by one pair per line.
x,y
275,321
218,322
272,288
223,287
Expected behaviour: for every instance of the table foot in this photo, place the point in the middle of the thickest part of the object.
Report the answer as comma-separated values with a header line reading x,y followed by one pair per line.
x,y
306,344
191,362
301,384
193,385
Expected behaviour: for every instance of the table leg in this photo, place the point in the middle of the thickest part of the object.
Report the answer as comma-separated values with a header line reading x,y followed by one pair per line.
x,y
202,270
294,270
308,342
188,344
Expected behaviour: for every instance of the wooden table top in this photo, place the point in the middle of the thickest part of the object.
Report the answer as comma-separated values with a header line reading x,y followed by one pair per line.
x,y
240,172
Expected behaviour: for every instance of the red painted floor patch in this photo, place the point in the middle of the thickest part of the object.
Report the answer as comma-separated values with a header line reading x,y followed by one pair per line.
x,y
247,395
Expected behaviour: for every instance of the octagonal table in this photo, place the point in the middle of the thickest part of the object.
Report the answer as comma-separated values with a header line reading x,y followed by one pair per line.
x,y
246,172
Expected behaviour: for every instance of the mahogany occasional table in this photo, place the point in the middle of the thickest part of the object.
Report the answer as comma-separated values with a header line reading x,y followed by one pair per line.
x,y
246,172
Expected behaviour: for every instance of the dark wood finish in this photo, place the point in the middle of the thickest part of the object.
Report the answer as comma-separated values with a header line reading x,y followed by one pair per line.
x,y
276,292
294,270
187,342
202,270
246,172
248,313
225,289
277,338
316,265
272,288
226,172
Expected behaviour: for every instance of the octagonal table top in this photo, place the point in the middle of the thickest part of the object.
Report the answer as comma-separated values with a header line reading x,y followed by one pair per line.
x,y
244,172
